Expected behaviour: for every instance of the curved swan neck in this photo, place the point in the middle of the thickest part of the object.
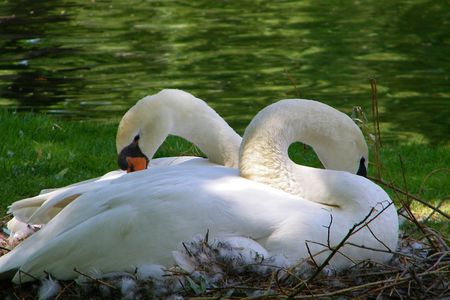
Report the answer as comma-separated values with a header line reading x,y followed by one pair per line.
x,y
179,113
336,139
263,152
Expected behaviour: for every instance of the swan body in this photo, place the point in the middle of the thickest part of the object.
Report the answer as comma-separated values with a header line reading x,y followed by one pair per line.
x,y
122,229
141,217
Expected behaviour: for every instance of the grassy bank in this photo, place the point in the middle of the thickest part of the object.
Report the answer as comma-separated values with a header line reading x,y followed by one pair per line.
x,y
40,152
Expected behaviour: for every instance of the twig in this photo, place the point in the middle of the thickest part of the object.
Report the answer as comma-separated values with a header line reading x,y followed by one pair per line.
x,y
26,273
350,289
434,285
376,216
437,207
416,198
5,249
379,241
390,282
416,278
377,250
329,248
277,281
64,289
441,241
310,255
329,230
206,237
187,250
269,286
420,226
393,272
99,281
333,252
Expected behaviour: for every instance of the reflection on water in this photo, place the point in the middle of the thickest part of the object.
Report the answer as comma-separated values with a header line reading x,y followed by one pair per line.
x,y
96,58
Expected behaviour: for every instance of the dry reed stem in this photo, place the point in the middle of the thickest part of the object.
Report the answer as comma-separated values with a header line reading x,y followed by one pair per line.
x,y
293,83
376,127
429,175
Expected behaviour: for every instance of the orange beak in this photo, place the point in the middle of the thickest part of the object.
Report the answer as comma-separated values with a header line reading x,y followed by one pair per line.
x,y
136,164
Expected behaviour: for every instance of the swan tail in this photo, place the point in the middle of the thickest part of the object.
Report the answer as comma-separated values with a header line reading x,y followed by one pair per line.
x,y
49,209
25,208
60,198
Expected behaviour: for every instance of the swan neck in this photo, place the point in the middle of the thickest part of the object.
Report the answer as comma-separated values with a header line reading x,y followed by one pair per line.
x,y
264,151
336,139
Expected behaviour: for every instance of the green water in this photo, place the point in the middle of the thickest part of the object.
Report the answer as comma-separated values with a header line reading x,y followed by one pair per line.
x,y
94,59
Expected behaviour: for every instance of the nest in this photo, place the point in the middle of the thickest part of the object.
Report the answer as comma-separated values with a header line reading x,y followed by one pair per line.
x,y
420,269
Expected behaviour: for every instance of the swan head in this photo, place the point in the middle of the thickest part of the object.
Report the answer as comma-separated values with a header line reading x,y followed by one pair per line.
x,y
362,170
131,157
346,150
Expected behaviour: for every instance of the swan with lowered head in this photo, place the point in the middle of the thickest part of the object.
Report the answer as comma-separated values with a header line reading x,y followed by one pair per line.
x,y
154,117
141,217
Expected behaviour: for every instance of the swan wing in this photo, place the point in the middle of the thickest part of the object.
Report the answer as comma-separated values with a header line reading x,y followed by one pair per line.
x,y
141,218
144,216
25,208
43,207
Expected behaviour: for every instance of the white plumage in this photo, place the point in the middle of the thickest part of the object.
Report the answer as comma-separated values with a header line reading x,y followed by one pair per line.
x,y
138,219
49,289
337,140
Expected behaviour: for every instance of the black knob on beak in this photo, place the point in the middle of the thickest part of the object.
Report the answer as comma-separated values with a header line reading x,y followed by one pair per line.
x,y
131,158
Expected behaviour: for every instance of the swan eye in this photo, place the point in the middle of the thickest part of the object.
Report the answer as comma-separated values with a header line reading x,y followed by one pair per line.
x,y
362,170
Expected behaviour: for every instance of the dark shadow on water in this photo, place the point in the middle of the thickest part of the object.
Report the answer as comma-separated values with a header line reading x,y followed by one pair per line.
x,y
27,27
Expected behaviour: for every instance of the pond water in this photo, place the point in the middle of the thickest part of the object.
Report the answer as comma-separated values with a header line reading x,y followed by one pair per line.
x,y
94,59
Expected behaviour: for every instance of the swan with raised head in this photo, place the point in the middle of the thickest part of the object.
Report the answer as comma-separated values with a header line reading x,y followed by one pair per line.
x,y
142,217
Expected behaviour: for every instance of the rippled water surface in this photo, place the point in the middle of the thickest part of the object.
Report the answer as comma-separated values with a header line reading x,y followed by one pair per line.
x,y
94,59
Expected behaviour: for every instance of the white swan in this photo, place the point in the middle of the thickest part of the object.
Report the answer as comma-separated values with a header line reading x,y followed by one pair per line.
x,y
141,217
154,117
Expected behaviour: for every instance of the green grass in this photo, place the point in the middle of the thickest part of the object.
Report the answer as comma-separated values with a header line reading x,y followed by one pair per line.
x,y
38,152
